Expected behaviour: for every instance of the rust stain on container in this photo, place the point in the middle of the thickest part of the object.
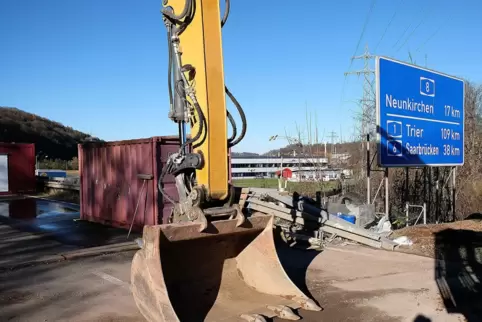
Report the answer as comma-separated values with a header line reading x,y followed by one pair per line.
x,y
110,187
17,168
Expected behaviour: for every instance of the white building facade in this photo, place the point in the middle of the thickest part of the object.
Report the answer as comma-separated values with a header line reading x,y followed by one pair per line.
x,y
266,167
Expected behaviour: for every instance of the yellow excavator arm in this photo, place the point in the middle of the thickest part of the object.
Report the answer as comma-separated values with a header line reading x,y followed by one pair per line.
x,y
216,260
198,101
195,40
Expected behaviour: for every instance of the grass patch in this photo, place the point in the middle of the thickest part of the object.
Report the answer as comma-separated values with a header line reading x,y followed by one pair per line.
x,y
256,183
72,173
304,188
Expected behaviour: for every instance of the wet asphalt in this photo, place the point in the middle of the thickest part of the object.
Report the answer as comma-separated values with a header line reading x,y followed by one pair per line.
x,y
59,221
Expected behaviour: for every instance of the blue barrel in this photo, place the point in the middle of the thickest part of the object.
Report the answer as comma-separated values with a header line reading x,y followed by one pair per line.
x,y
349,218
51,173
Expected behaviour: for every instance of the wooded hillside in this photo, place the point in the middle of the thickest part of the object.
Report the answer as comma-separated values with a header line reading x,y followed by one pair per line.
x,y
55,140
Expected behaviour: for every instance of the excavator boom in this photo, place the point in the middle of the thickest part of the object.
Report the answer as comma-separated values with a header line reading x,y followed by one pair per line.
x,y
216,259
199,46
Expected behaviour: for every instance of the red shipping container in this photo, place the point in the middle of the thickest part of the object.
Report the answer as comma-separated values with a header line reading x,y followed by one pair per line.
x,y
111,188
17,168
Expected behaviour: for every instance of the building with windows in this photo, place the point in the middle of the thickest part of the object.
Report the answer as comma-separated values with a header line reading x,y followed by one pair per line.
x,y
266,167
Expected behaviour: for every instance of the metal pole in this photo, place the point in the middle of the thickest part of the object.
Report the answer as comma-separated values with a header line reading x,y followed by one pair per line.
x,y
437,196
424,185
386,192
137,206
280,187
406,214
368,170
453,193
407,186
424,213
430,192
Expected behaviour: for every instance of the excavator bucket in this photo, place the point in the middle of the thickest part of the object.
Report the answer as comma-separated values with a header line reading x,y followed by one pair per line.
x,y
225,273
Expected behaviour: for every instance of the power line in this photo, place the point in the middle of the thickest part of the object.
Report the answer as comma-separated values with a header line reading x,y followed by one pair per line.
x,y
363,30
434,33
429,38
388,26
413,31
403,34
367,18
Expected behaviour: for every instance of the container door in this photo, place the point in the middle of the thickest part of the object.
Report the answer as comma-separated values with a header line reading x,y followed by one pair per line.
x,y
4,173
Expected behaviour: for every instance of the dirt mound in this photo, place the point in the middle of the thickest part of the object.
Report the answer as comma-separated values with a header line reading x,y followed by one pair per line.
x,y
424,236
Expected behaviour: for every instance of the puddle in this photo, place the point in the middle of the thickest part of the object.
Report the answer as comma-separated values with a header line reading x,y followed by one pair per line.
x,y
56,220
31,209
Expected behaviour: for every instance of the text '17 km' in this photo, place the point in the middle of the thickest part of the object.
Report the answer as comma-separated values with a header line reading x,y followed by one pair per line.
x,y
452,111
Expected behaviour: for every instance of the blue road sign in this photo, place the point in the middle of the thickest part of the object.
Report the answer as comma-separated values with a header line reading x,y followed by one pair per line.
x,y
420,116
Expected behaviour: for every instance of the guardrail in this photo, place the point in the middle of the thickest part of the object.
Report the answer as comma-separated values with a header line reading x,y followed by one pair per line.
x,y
60,183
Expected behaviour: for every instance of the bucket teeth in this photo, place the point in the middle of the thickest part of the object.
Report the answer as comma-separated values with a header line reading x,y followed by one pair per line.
x,y
307,304
239,216
253,318
197,214
284,312
139,242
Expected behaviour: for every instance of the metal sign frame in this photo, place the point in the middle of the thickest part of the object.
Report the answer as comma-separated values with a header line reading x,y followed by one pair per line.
x,y
379,116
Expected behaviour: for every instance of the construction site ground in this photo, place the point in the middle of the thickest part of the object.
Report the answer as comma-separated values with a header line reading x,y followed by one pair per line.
x,y
351,283
46,276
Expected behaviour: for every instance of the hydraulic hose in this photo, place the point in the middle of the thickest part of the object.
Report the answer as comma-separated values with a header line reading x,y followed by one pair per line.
x,y
233,124
202,126
231,141
177,18
159,184
241,114
226,12
169,69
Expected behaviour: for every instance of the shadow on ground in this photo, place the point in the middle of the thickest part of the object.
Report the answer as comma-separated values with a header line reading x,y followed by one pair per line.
x,y
422,318
458,271
296,263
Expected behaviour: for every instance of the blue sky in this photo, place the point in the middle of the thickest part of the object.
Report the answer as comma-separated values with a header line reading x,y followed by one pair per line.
x,y
100,66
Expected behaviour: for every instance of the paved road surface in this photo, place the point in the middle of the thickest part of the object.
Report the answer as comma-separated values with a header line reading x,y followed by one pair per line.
x,y
352,284
94,289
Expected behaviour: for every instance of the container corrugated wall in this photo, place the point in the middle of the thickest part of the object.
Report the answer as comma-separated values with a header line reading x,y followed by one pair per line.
x,y
19,175
110,187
